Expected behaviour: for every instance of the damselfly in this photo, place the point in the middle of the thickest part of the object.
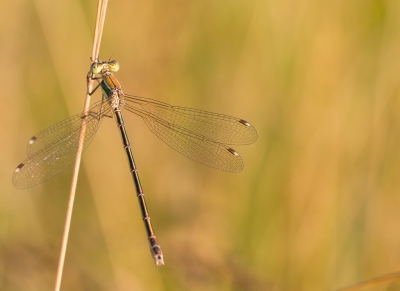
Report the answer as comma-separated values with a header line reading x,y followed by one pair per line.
x,y
199,135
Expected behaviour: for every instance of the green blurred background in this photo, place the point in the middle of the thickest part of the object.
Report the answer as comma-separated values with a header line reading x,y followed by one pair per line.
x,y
317,205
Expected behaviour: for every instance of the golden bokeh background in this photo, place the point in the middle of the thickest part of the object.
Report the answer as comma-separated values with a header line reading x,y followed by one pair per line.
x,y
317,206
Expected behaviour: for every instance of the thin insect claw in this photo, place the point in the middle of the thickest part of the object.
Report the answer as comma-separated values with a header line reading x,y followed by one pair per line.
x,y
94,90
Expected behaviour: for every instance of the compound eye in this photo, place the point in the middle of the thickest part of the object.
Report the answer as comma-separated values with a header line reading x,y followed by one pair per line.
x,y
113,66
96,68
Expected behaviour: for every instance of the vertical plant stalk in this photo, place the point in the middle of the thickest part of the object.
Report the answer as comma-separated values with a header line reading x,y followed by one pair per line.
x,y
101,14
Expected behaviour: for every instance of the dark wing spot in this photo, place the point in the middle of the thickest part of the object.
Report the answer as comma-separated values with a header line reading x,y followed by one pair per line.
x,y
244,122
32,140
19,168
233,152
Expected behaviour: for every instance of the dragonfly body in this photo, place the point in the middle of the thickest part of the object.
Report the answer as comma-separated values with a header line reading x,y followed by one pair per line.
x,y
113,93
200,135
110,84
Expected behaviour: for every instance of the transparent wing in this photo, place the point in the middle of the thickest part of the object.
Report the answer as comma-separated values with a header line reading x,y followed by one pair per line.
x,y
215,127
56,132
191,145
56,147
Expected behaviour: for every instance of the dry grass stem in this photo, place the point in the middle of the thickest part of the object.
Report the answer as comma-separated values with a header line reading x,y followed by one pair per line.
x,y
101,13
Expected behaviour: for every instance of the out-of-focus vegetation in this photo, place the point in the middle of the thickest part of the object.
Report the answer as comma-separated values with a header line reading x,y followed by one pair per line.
x,y
317,204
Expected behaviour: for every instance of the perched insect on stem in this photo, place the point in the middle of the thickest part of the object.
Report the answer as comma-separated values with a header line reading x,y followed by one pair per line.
x,y
199,135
